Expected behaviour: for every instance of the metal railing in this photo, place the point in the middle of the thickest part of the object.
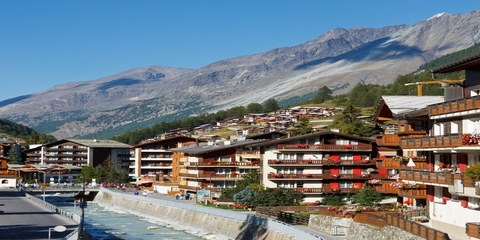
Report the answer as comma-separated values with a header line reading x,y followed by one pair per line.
x,y
67,214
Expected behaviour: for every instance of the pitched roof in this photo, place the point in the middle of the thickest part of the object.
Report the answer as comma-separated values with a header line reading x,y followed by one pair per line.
x,y
459,65
402,104
206,148
99,143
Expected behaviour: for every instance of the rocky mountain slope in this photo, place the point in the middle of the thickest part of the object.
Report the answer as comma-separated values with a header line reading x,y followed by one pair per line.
x,y
338,59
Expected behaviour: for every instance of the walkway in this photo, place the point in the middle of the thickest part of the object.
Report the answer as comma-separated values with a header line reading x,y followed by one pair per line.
x,y
22,219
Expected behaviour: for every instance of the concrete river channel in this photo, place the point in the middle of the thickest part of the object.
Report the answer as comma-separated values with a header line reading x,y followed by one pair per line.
x,y
108,225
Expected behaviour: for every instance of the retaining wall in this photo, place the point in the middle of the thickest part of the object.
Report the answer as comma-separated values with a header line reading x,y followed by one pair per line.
x,y
358,231
207,222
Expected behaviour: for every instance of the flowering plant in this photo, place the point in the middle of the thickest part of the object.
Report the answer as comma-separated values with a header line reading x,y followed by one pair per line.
x,y
470,139
402,185
374,181
336,161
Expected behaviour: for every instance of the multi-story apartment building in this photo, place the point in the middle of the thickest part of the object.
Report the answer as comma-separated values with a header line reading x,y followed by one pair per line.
x,y
216,165
153,159
390,155
449,142
320,163
76,153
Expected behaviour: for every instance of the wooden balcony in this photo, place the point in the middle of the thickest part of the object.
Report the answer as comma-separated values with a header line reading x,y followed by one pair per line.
x,y
387,163
385,188
454,106
387,140
466,181
327,190
413,192
306,177
431,142
323,147
306,162
8,173
221,164
472,229
427,176
212,176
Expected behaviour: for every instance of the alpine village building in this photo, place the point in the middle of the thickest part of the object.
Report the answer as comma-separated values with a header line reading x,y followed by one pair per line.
x,y
444,140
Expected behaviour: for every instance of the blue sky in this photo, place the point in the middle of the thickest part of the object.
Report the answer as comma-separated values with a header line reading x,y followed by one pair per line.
x,y
46,43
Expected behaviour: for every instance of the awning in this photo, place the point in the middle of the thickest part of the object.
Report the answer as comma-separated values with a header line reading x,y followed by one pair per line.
x,y
250,156
388,153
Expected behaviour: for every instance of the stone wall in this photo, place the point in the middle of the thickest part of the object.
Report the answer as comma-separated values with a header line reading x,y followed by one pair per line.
x,y
202,224
358,231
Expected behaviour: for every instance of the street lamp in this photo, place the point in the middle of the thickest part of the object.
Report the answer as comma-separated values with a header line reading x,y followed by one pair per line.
x,y
44,183
59,228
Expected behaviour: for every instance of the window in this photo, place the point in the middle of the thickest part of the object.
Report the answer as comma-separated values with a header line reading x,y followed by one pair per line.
x,y
342,142
454,128
222,171
354,142
438,129
438,194
453,160
346,184
346,171
222,159
346,156
473,203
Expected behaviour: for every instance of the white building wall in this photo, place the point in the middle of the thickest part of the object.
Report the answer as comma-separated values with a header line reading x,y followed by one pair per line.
x,y
452,216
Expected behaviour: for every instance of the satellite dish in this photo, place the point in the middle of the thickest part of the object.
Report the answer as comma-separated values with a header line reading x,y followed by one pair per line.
x,y
60,228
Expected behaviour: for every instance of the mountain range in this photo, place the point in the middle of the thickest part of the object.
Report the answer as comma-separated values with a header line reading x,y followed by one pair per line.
x,y
338,59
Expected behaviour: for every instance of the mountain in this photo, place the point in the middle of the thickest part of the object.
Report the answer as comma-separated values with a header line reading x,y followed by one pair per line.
x,y
339,59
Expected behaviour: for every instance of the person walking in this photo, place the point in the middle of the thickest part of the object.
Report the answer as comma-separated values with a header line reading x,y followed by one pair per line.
x,y
145,193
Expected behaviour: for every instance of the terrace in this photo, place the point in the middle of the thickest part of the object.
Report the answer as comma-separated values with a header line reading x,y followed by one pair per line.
x,y
324,147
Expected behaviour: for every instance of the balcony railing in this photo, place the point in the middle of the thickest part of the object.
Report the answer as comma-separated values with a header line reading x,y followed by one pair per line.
x,y
220,164
385,188
320,162
290,176
472,229
323,147
427,176
413,192
387,163
327,190
388,140
431,141
8,173
212,176
454,106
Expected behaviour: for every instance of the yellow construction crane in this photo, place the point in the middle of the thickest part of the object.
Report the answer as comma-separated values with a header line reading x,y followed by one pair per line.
x,y
444,83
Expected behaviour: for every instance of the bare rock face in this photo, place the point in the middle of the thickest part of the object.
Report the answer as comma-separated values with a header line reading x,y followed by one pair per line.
x,y
339,59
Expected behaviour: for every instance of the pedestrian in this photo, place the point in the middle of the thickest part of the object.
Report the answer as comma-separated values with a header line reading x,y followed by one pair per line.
x,y
177,196
135,193
145,193
187,196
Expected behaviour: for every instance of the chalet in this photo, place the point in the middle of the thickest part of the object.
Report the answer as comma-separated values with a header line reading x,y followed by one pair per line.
x,y
319,163
436,144
216,165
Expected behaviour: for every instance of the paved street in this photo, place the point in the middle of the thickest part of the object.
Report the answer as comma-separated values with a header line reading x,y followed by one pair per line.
x,y
22,219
